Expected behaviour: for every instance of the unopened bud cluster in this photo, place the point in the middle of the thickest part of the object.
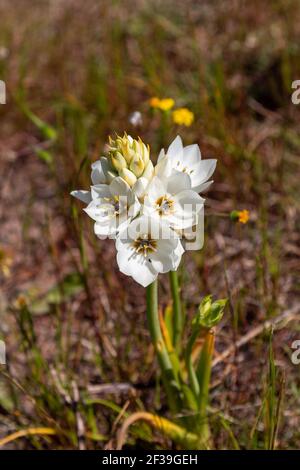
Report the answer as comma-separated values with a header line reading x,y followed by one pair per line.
x,y
129,158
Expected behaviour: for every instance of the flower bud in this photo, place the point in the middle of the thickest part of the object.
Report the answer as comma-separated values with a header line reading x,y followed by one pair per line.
x,y
127,150
128,176
148,172
142,150
210,313
129,158
118,161
137,166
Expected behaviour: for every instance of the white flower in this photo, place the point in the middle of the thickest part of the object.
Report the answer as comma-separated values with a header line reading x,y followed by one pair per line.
x,y
136,119
186,160
111,206
154,214
147,247
172,201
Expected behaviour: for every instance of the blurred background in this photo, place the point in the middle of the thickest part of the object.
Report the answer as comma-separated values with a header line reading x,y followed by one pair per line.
x,y
78,353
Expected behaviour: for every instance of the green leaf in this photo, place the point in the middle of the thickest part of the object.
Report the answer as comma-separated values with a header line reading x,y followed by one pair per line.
x,y
70,285
47,131
45,156
6,400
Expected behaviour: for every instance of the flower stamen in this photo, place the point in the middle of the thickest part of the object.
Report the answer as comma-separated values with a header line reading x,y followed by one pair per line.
x,y
183,169
164,205
145,245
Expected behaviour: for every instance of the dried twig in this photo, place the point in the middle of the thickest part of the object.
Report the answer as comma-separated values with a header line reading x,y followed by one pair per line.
x,y
275,322
109,445
72,402
79,421
113,388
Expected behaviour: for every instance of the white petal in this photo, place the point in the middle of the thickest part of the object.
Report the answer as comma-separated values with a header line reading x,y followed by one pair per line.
x,y
100,190
100,211
136,266
156,189
163,167
123,224
176,148
187,205
84,196
148,172
180,220
161,155
140,186
119,187
163,259
189,200
104,228
124,255
178,252
178,181
143,273
194,236
134,208
149,210
203,171
99,171
111,175
203,187
162,262
191,154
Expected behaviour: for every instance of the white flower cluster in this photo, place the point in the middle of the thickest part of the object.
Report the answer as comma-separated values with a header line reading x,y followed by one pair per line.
x,y
153,213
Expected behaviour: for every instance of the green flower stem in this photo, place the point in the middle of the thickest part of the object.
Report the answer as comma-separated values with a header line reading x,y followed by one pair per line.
x,y
193,380
203,373
169,378
177,310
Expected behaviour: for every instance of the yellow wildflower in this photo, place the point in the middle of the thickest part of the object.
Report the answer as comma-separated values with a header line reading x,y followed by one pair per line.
x,y
240,216
154,102
183,117
20,301
164,105
243,216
